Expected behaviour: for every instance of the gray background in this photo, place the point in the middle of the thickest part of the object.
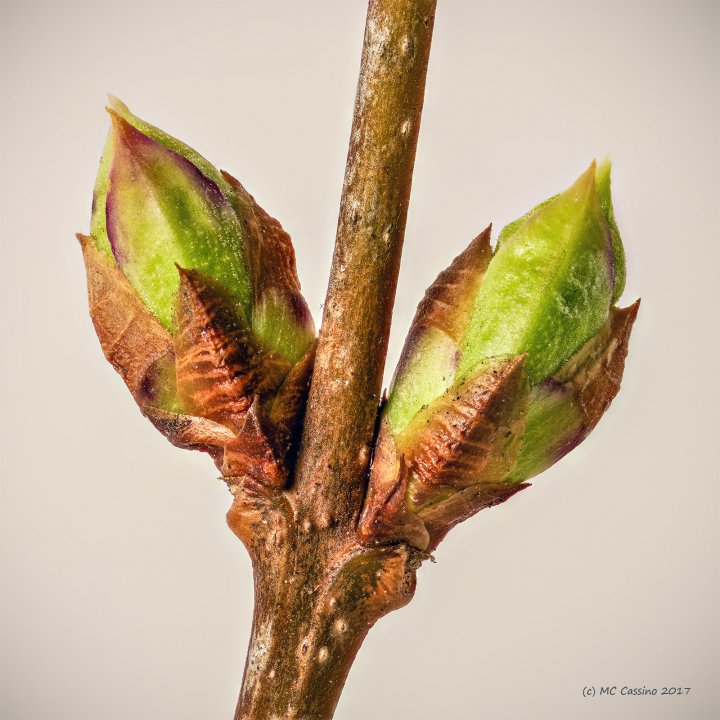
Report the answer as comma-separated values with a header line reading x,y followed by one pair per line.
x,y
124,595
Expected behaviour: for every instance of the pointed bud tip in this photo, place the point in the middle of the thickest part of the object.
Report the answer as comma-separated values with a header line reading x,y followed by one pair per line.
x,y
586,182
510,368
130,137
605,165
602,181
190,279
510,365
118,122
627,315
122,132
117,104
584,188
233,180
481,244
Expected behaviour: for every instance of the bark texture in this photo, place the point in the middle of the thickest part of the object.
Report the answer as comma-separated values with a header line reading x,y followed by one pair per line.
x,y
353,339
318,590
317,593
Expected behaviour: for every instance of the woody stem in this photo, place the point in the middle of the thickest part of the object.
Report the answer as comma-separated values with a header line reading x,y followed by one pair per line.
x,y
317,589
353,340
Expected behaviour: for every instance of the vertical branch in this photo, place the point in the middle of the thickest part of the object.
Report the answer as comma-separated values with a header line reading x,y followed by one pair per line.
x,y
317,590
356,323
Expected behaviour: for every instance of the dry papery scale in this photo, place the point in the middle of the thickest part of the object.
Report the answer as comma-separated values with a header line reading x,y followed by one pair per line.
x,y
337,497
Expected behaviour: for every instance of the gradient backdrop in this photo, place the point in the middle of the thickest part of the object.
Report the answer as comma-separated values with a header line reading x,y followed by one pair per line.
x,y
125,597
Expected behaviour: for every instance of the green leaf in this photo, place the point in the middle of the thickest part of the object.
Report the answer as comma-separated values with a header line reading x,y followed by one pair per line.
x,y
426,374
206,168
554,420
169,205
162,210
431,352
548,287
602,181
511,228
564,409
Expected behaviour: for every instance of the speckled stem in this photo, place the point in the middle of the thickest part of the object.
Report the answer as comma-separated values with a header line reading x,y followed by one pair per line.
x,y
348,373
316,596
317,589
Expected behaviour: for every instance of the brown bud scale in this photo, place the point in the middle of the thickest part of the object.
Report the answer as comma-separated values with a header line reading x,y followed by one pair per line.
x,y
132,340
470,434
220,367
448,302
